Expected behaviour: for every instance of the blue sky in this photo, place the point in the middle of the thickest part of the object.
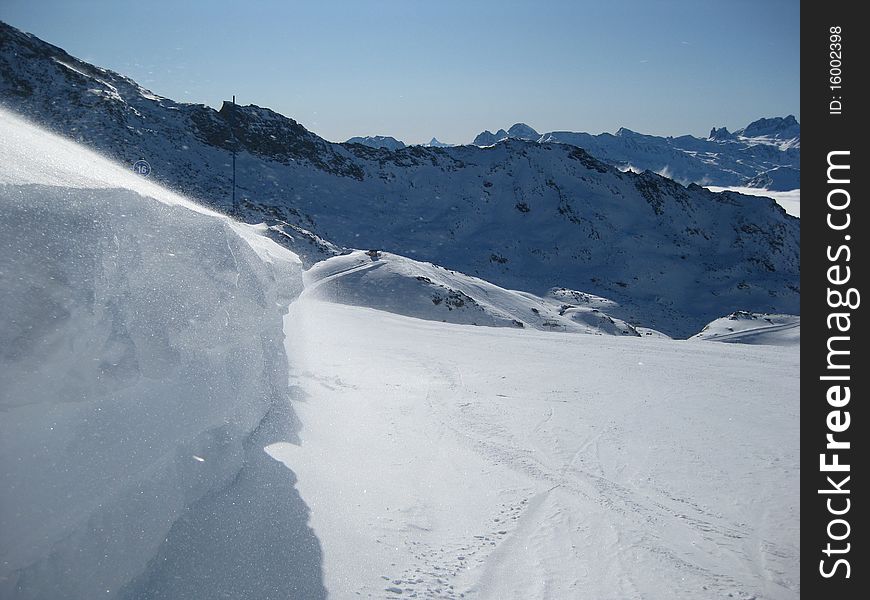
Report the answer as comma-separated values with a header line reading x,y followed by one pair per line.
x,y
415,69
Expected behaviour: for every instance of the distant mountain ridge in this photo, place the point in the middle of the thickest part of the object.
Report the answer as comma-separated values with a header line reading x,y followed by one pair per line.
x,y
779,128
517,131
724,158
377,141
390,143
525,215
434,143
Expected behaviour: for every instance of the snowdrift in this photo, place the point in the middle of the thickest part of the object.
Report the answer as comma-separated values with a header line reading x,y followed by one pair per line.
x,y
143,371
418,289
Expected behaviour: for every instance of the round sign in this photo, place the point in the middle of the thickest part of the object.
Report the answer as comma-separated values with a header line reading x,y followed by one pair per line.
x,y
142,168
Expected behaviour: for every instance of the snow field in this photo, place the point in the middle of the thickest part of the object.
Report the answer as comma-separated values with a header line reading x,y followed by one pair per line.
x,y
448,461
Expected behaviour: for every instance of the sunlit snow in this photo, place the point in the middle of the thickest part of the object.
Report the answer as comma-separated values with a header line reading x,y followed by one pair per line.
x,y
181,419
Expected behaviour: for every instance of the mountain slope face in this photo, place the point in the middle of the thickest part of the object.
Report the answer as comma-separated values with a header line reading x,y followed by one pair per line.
x,y
525,215
723,159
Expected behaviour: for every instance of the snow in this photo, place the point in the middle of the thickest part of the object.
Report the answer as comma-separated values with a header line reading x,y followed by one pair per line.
x,y
442,459
151,349
143,371
772,152
743,327
779,178
405,286
784,132
31,156
523,215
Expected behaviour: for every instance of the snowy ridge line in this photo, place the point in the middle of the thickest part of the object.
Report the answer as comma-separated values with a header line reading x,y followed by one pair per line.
x,y
768,160
790,200
62,162
523,215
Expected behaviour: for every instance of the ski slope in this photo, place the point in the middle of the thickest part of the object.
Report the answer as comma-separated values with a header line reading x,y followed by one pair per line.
x,y
451,461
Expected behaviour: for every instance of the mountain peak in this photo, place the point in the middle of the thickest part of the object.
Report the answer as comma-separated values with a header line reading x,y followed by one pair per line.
x,y
519,131
488,138
778,127
434,143
720,134
523,132
625,132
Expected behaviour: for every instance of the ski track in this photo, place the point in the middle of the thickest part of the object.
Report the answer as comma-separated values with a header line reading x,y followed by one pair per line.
x,y
617,501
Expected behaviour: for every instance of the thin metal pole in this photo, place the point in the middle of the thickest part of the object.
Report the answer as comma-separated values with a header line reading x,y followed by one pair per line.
x,y
233,133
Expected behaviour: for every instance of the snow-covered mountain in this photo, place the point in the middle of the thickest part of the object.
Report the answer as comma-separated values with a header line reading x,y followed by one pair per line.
x,y
377,141
185,415
778,178
723,159
407,287
784,132
523,215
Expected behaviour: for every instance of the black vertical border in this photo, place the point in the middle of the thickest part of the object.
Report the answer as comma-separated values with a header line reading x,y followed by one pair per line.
x,y
823,132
